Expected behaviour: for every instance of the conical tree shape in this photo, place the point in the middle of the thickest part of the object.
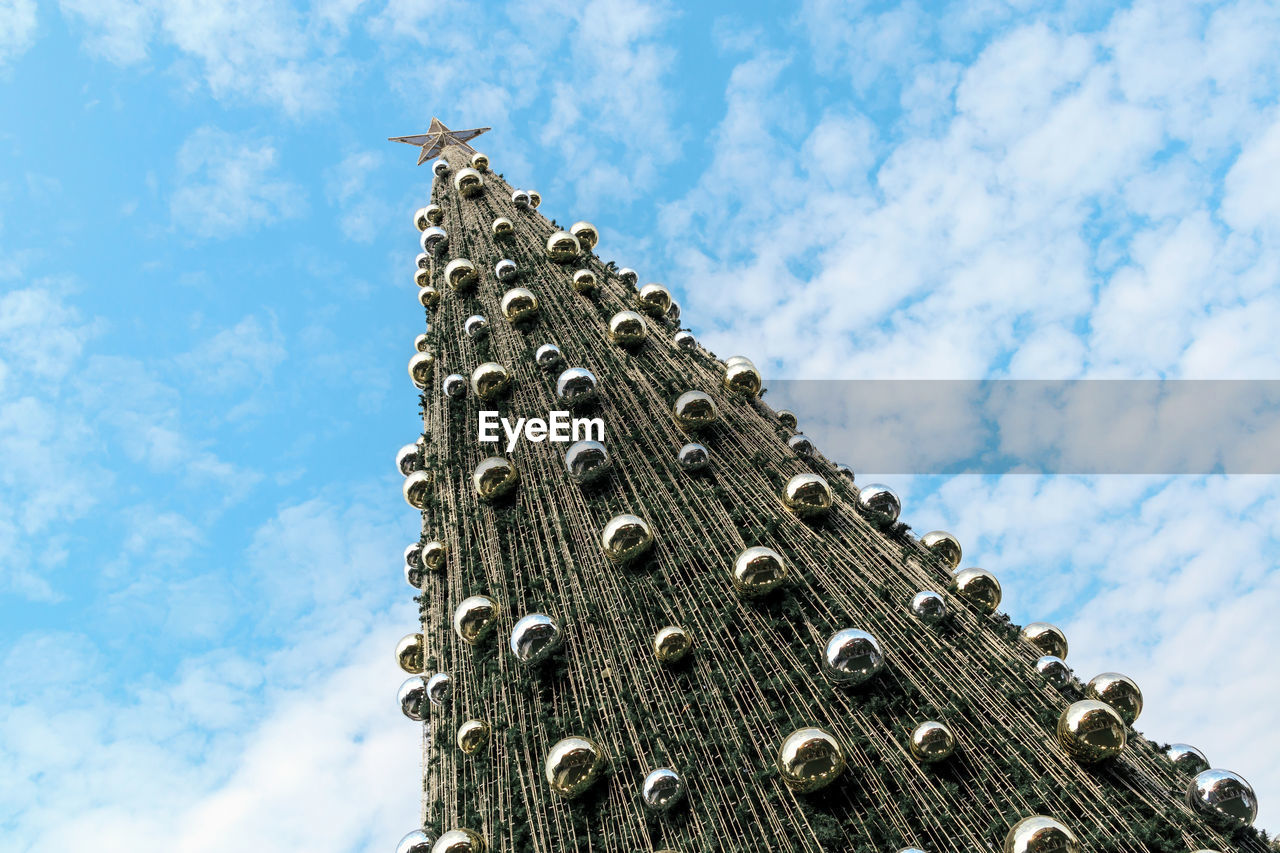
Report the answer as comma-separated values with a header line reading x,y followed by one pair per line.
x,y
755,673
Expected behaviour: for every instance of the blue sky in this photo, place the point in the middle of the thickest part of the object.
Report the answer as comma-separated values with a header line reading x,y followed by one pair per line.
x,y
206,309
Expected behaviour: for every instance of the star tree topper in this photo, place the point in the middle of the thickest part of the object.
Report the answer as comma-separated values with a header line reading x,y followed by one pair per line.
x,y
437,137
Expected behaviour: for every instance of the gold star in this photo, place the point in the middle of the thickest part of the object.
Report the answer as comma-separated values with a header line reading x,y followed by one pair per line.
x,y
437,137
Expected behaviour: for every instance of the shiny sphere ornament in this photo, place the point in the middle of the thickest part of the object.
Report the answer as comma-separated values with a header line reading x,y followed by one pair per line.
x,y
628,276
440,167
422,277
932,741
421,343
417,489
1187,758
420,366
502,228
1047,638
519,304
654,299
428,296
788,419
423,261
586,461
672,644
810,759
534,638
563,247
685,340
414,571
433,553
1118,691
420,220
474,618
490,380
494,477
520,199
411,653
586,234
807,495
409,459
693,457
852,656
1054,670
673,313
472,736
695,410
626,537
573,765
1091,731
454,386
627,328
535,198
944,546
844,471
468,182
661,790
801,444
879,504
928,606
412,697
415,842
439,689
548,357
742,379
433,240
1221,792
758,571
1040,834
480,162
460,274
459,841
576,386
584,281
505,269
475,327
978,587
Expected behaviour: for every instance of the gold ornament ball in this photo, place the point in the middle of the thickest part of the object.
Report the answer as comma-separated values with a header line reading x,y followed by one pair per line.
x,y
628,276
944,546
810,759
807,495
411,654
758,571
494,477
1118,691
563,247
932,741
626,537
519,304
672,644
1040,834
586,234
422,276
425,217
460,274
468,182
433,241
1091,731
573,765
417,489
474,618
685,340
502,228
788,419
432,555
695,410
586,461
420,367
978,587
742,379
459,841
535,198
1046,637
654,299
472,736
490,380
423,261
480,162
421,343
428,296
440,167
520,199
627,328
584,281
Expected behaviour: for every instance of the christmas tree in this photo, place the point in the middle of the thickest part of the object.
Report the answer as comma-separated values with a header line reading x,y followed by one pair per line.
x,y
681,628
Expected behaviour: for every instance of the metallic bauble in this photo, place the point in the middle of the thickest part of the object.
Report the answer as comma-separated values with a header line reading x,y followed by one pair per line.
x,y
476,326
460,274
672,644
661,790
626,537
944,546
1118,691
654,299
879,504
807,495
586,233
520,199
628,276
454,386
573,765
425,217
852,656
788,419
563,247
502,228
412,697
576,386
758,571
742,379
586,461
627,328
695,410
468,182
928,606
439,689
844,471
494,477
693,457
474,618
433,240
411,653
1040,834
1221,792
801,444
423,261
421,276
433,555
584,281
480,162
472,736
420,367
490,380
409,459
534,638
1187,758
685,340
440,167
1046,637
1091,731
673,313
810,759
417,489
428,296
548,357
1054,670
978,587
415,842
414,570
932,741
422,343
519,304
535,198
459,841
505,269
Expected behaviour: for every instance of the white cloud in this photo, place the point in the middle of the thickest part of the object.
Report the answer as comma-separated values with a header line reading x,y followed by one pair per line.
x,y
242,357
361,210
117,30
17,29
228,185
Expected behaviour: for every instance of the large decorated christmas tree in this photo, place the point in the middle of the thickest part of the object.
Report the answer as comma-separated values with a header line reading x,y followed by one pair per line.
x,y
684,629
